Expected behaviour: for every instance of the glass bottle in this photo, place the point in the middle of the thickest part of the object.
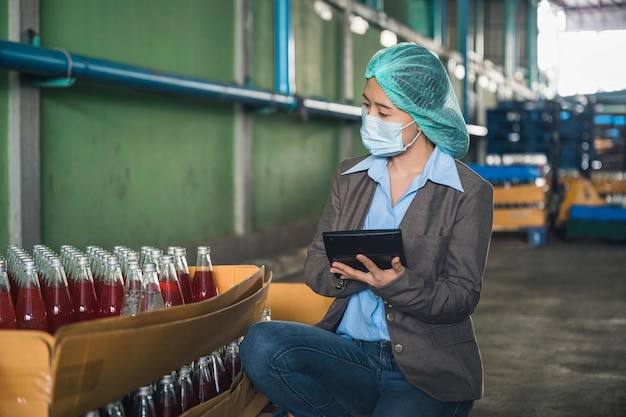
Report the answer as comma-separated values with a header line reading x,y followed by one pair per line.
x,y
202,382
113,409
42,258
220,377
132,256
184,389
7,310
232,363
30,310
84,291
168,280
112,292
204,285
99,268
59,305
151,297
143,402
12,254
165,401
267,315
144,255
155,256
132,291
182,271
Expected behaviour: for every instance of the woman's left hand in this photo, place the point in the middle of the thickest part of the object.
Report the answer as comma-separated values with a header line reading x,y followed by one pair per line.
x,y
376,277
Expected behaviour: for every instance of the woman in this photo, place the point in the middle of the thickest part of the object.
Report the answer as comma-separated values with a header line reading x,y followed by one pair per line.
x,y
397,342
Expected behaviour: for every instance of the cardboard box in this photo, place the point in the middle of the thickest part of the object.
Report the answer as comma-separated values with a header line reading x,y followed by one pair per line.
x,y
296,302
86,365
242,400
511,219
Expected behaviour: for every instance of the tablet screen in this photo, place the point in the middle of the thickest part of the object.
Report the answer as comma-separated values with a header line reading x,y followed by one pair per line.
x,y
381,246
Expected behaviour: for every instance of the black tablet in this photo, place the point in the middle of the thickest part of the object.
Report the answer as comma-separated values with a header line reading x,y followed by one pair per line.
x,y
380,245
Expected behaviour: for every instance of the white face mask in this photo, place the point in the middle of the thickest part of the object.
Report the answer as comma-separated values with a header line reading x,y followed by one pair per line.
x,y
382,138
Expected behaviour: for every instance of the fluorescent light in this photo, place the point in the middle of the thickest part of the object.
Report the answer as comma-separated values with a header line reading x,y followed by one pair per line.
x,y
476,130
358,25
323,10
388,38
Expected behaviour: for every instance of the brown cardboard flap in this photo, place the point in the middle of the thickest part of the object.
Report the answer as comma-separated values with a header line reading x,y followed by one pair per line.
x,y
242,400
296,302
25,382
97,367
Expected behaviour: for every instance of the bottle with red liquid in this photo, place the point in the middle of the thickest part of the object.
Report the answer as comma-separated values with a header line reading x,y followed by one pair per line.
x,y
202,381
98,268
143,403
112,409
204,285
69,257
59,305
30,309
112,292
232,363
12,254
150,298
7,310
182,270
83,291
221,380
134,279
184,389
168,280
42,257
165,401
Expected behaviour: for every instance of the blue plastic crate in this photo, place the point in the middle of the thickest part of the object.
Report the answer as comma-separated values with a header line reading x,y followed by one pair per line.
x,y
520,173
598,213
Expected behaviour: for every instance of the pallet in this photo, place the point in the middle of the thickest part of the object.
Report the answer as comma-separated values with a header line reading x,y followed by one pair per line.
x,y
536,237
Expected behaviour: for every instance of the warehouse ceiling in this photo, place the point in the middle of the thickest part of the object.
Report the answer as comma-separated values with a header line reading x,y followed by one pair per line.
x,y
593,15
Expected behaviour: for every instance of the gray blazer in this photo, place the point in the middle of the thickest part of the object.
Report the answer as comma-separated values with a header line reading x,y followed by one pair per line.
x,y
446,235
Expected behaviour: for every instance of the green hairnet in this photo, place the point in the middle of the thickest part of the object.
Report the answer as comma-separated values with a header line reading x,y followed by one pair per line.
x,y
416,82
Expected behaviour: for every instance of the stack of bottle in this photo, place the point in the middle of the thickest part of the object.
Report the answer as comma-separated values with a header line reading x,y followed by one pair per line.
x,y
175,393
45,290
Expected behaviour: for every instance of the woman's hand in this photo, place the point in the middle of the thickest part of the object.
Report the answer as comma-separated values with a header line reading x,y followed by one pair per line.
x,y
376,277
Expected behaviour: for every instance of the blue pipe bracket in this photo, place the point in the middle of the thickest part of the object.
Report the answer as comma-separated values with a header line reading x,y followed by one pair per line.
x,y
35,40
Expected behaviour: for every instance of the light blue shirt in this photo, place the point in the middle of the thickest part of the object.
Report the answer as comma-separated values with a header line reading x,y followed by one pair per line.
x,y
364,318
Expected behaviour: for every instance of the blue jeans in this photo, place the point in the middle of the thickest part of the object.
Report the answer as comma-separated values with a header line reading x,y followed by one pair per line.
x,y
311,372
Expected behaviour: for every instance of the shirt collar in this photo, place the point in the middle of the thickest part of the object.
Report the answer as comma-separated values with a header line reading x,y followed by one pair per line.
x,y
440,168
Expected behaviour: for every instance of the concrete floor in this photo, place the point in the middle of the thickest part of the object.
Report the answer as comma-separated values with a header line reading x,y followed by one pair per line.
x,y
551,326
552,330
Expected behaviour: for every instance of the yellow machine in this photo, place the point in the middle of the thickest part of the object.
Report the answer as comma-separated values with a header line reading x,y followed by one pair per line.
x,y
580,192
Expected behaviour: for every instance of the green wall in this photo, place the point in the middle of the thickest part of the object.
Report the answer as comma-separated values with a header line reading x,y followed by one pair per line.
x,y
4,143
293,158
124,167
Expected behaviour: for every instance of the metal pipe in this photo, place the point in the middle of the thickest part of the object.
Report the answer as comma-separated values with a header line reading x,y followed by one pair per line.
x,y
58,63
283,48
531,39
342,111
462,16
